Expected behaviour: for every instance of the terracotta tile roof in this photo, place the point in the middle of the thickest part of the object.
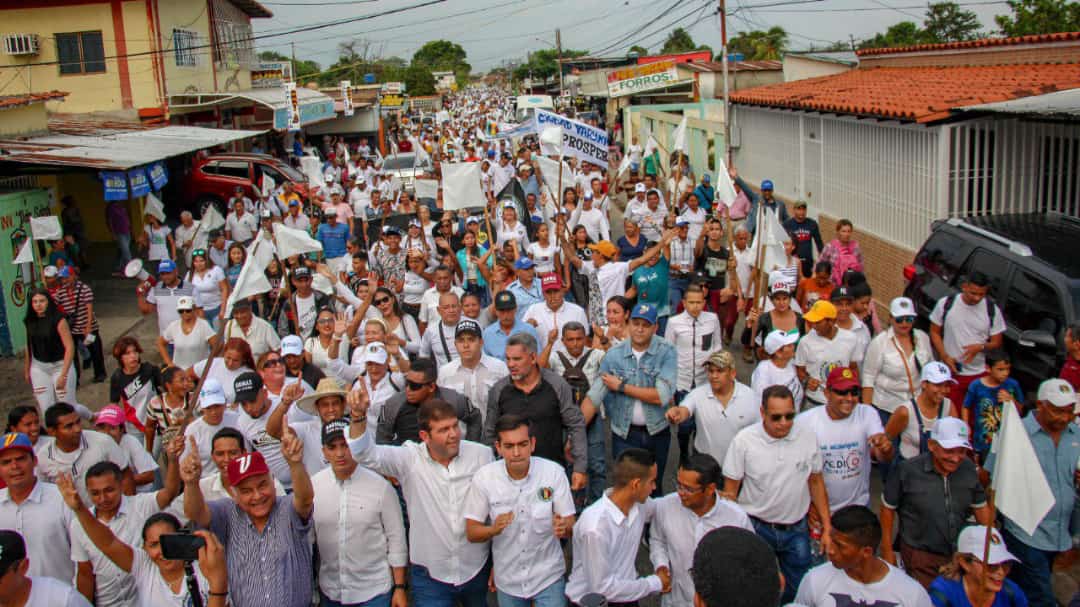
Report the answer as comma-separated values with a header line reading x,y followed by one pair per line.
x,y
919,94
984,42
10,101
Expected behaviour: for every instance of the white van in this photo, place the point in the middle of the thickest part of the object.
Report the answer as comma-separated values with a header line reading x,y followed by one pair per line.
x,y
525,103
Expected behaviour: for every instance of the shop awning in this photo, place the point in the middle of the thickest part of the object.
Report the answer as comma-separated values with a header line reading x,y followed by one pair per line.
x,y
315,106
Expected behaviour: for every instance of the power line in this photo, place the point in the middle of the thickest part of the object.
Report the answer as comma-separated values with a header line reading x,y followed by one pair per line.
x,y
871,8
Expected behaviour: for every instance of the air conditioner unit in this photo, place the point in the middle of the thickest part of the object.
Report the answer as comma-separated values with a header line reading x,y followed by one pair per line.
x,y
20,44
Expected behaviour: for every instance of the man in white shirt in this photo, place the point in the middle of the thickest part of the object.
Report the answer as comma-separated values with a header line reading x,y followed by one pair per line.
x,y
695,216
429,303
962,327
72,450
608,535
35,509
295,218
683,518
854,574
21,587
189,237
848,435
213,417
610,273
721,407
438,339
777,465
636,205
824,348
552,314
358,528
594,219
360,197
523,506
445,565
680,256
473,373
257,332
696,335
240,225
502,173
651,218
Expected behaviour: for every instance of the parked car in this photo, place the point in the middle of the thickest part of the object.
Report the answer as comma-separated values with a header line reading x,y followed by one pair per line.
x,y
214,177
406,168
1034,274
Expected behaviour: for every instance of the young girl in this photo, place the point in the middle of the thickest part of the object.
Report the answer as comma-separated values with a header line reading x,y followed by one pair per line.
x,y
544,252
778,369
237,257
843,252
986,398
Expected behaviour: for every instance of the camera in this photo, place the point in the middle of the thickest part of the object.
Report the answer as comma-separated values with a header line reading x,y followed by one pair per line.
x,y
183,546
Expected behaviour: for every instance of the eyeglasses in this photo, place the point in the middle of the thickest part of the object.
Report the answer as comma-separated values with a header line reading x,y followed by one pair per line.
x,y
414,385
905,319
185,311
781,416
380,301
271,362
326,321
681,488
848,392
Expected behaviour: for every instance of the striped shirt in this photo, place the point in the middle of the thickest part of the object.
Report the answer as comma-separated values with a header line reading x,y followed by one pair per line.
x,y
164,298
272,567
75,301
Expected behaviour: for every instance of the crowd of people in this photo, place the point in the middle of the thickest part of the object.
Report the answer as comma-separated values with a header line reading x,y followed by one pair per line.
x,y
437,410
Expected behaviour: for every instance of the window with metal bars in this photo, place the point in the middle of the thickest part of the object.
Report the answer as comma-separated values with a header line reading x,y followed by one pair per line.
x,y
185,43
80,52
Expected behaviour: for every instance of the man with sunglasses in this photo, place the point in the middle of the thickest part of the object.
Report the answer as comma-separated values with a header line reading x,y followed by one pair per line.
x,y
778,467
824,348
398,419
848,434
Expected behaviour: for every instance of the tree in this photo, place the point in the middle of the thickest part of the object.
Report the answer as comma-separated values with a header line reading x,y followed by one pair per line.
x,y
678,41
758,45
302,68
419,81
946,22
640,50
905,33
544,64
1040,17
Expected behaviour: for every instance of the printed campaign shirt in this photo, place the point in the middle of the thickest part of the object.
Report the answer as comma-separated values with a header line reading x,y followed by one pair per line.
x,y
845,452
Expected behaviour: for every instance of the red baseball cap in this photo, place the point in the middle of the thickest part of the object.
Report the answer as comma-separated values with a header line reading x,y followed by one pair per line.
x,y
245,467
550,282
842,378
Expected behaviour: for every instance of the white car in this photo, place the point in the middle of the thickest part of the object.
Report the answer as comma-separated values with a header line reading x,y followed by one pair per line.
x,y
406,168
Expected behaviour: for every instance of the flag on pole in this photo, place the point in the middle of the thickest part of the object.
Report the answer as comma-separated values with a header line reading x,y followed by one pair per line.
x,y
725,189
212,219
26,254
291,241
625,164
680,136
551,141
252,279
461,185
1020,488
268,186
46,228
771,236
154,207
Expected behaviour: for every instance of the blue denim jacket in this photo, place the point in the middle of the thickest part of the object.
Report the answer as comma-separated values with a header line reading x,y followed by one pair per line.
x,y
658,368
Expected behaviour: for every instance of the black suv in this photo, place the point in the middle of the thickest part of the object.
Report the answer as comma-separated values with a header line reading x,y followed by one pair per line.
x,y
1033,261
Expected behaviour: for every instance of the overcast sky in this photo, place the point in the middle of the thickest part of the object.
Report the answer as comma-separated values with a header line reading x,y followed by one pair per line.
x,y
492,31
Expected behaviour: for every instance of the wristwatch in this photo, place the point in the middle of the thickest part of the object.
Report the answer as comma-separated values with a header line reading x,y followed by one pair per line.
x,y
400,587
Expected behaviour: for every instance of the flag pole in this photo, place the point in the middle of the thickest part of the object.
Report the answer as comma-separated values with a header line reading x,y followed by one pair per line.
x,y
758,280
990,527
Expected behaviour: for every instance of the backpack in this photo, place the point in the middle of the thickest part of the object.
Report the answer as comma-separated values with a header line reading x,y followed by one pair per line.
x,y
575,375
845,260
991,310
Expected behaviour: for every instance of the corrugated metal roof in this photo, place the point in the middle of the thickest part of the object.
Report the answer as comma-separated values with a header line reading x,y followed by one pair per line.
x,y
1058,103
116,149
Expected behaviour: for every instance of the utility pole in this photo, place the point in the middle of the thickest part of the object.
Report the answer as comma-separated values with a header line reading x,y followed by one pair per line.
x,y
292,67
558,49
724,63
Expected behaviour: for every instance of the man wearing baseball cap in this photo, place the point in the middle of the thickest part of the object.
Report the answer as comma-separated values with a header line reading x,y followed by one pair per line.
x,y
526,288
552,314
610,273
637,384
347,575
932,494
766,203
848,433
1056,440
825,347
213,416
161,298
474,372
267,547
297,369
497,333
308,303
19,586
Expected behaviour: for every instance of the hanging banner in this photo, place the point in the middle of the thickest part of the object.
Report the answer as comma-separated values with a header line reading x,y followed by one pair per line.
x,y
346,97
159,176
292,100
580,140
140,185
639,78
115,185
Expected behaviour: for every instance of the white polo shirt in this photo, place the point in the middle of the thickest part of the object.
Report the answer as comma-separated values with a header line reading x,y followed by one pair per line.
x,y
546,319
675,533
473,383
845,452
260,335
528,556
606,543
113,585
774,472
820,356
93,447
360,533
695,339
434,497
43,519
48,592
429,304
438,343
204,438
717,423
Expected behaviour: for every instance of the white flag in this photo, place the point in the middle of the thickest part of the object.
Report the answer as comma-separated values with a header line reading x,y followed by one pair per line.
x,y
312,168
268,186
1020,488
46,228
651,145
291,241
551,141
426,188
680,136
211,219
154,207
771,236
625,164
549,170
725,189
461,186
26,254
252,279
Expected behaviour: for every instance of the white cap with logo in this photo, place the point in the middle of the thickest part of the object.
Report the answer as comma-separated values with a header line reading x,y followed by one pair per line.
x,y
950,433
972,541
901,306
936,373
211,394
1057,392
292,346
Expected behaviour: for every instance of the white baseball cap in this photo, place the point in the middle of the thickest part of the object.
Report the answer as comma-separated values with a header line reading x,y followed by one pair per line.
x,y
292,346
51,271
777,339
1057,392
375,352
936,373
951,432
972,541
901,306
211,394
639,187
185,303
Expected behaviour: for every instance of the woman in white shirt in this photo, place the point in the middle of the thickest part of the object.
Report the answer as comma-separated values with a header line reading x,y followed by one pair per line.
x,y
235,360
187,340
317,347
211,287
544,253
894,359
402,326
509,229
157,239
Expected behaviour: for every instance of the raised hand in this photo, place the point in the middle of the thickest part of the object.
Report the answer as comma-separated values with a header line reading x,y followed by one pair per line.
x,y
292,393
212,561
68,491
191,467
174,448
292,447
340,324
358,402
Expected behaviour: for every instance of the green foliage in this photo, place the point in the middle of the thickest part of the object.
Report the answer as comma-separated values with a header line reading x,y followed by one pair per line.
x,y
905,33
640,50
678,41
302,68
758,45
946,22
1040,17
441,55
544,64
418,80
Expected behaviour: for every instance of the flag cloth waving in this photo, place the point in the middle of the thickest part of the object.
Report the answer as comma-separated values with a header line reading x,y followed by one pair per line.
x,y
252,279
770,235
26,254
680,136
212,219
725,189
291,241
1020,488
46,228
155,207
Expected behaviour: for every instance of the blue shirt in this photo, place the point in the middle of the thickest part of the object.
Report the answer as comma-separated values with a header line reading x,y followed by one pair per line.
x,y
495,340
1058,464
652,286
982,402
333,239
950,593
629,252
657,368
525,297
705,195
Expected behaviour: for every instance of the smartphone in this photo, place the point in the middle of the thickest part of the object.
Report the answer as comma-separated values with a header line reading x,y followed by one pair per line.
x,y
182,546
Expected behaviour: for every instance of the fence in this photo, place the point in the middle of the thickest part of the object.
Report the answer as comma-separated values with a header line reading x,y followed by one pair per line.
x,y
704,136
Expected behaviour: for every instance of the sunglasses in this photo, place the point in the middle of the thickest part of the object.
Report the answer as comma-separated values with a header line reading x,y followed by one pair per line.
x,y
417,385
380,301
782,416
198,253
905,319
848,392
185,311
271,362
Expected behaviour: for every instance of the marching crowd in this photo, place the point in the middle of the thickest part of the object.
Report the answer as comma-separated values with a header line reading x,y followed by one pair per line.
x,y
454,406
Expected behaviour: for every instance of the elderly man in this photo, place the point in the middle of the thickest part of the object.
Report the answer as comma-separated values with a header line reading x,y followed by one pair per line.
x,y
438,339
546,399
295,217
267,547
432,299
497,333
257,332
190,237
473,373
398,421
1056,440
241,224
526,289
552,314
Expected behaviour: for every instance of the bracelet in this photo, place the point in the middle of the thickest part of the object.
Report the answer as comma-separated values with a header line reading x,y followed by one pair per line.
x,y
622,386
212,593
400,587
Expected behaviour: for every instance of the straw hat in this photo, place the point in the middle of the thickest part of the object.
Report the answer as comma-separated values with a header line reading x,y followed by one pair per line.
x,y
328,386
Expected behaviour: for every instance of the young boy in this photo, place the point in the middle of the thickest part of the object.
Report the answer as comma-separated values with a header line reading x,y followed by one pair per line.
x,y
985,399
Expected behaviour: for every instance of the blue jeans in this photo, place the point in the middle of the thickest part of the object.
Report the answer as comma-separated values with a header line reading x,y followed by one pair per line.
x,y
792,548
676,290
658,444
123,250
211,316
382,600
686,430
596,467
661,325
1032,573
552,596
429,592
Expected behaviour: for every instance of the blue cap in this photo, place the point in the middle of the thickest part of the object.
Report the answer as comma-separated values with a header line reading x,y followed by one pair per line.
x,y
16,440
166,265
766,185
64,272
682,222
705,178
491,154
294,203
523,263
645,312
